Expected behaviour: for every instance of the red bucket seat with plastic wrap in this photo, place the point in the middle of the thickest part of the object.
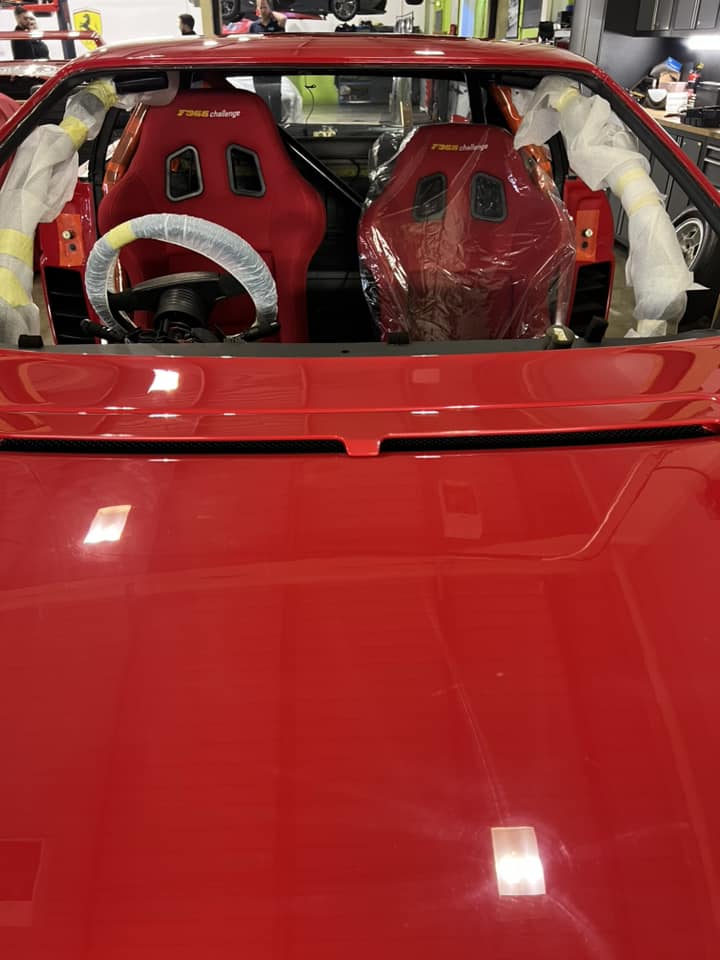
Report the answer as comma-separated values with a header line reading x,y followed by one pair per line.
x,y
217,155
462,242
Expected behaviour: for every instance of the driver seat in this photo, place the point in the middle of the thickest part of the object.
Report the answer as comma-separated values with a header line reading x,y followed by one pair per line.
x,y
217,155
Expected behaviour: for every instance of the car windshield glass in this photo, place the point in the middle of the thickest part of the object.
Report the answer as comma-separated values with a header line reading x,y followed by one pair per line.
x,y
353,206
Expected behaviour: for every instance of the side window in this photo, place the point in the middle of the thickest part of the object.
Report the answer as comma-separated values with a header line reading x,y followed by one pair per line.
x,y
244,172
430,197
699,243
183,177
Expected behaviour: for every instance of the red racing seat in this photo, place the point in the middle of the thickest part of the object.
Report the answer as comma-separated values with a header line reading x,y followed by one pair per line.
x,y
8,107
217,155
462,242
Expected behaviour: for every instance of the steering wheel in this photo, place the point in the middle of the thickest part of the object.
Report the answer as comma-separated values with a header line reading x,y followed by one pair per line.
x,y
246,269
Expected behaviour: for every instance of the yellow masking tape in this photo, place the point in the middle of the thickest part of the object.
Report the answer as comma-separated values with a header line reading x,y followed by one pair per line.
x,y
566,97
104,91
120,236
18,245
627,178
11,290
648,200
75,129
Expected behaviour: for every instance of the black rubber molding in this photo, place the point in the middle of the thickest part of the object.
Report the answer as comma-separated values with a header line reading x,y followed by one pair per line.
x,y
160,447
534,441
497,441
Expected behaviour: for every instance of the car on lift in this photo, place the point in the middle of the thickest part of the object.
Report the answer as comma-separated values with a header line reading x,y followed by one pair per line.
x,y
354,489
344,10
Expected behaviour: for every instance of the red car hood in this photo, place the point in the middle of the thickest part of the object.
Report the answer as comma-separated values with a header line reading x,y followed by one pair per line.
x,y
273,704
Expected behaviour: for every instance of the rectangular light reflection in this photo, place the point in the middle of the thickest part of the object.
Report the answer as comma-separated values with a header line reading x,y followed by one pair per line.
x,y
518,866
108,524
164,380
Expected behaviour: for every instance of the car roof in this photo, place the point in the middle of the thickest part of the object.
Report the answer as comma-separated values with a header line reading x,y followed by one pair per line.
x,y
316,50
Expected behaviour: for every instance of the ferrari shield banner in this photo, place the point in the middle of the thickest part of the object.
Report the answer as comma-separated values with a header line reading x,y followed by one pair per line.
x,y
89,20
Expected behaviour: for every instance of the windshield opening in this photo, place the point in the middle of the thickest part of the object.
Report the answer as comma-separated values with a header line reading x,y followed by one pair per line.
x,y
348,206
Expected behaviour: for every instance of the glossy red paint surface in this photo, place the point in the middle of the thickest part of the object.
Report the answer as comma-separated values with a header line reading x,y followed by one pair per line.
x,y
280,715
325,48
360,400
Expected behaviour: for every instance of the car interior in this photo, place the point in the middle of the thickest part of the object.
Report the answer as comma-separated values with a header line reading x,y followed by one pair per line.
x,y
396,210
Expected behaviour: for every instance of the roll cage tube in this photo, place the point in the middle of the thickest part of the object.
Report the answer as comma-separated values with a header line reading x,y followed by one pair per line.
x,y
638,124
708,207
40,105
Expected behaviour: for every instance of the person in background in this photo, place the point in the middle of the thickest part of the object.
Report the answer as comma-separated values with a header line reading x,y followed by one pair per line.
x,y
269,22
27,49
186,22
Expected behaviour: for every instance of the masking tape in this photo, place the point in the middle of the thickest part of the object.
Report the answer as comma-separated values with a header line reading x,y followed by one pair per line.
x,y
18,245
75,129
568,95
119,236
103,91
11,290
627,178
647,200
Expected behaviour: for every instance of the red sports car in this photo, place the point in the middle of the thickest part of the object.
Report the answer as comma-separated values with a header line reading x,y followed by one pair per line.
x,y
235,10
356,477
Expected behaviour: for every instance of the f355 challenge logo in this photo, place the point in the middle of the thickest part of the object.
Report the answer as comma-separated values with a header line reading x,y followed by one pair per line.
x,y
208,114
459,147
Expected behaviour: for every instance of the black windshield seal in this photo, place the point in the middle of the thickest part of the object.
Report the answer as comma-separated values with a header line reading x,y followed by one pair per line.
x,y
445,348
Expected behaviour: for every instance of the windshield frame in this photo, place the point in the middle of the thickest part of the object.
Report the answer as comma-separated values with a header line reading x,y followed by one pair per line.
x,y
698,188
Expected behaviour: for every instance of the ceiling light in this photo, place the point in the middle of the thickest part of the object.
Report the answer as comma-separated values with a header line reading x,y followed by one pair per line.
x,y
699,42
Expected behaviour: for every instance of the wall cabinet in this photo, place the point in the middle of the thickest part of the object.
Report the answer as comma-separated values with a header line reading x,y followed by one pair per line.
x,y
677,16
707,15
655,14
685,15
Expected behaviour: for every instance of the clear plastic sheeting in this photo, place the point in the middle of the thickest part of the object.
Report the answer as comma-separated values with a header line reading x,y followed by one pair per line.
x,y
222,246
383,150
603,153
39,183
459,103
458,239
290,99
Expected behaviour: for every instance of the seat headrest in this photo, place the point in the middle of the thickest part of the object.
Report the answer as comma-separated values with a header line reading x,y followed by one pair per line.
x,y
449,147
220,115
